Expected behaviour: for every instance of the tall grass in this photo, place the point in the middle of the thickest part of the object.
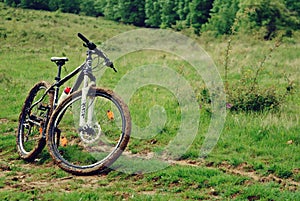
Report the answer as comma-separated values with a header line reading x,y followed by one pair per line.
x,y
268,142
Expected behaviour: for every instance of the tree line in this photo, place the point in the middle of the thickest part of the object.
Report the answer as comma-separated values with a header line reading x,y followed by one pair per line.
x,y
217,16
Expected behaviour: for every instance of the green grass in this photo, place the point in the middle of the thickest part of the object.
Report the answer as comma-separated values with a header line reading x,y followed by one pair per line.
x,y
254,143
259,142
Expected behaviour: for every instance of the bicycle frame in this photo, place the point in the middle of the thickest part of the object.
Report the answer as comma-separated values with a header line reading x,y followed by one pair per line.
x,y
87,78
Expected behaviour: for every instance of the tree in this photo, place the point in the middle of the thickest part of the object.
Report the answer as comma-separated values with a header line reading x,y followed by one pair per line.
x,y
53,5
222,15
294,8
132,11
199,13
35,4
13,3
111,10
100,7
271,15
153,13
168,13
70,6
183,9
88,7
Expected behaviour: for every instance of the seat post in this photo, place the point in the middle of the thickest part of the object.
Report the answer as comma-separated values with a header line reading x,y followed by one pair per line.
x,y
59,65
59,61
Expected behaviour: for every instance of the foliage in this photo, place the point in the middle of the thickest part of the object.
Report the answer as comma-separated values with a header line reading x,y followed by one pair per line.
x,y
132,11
152,12
271,15
183,9
111,10
257,100
35,4
222,18
99,6
68,6
293,6
200,15
250,96
168,14
88,8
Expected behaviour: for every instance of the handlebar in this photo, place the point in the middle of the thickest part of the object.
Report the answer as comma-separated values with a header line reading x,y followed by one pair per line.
x,y
92,46
88,43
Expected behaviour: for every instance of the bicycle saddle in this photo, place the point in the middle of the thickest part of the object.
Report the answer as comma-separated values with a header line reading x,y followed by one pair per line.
x,y
59,59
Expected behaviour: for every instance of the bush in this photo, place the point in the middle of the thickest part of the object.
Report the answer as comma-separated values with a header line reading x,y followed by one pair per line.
x,y
245,99
247,94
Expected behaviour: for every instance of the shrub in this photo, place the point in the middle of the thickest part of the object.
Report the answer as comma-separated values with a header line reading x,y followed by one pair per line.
x,y
243,99
247,94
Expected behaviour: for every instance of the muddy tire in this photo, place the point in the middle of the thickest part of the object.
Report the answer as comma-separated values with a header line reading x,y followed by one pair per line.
x,y
89,149
31,134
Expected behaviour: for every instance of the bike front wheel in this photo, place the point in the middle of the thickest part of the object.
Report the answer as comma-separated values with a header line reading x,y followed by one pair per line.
x,y
94,146
31,135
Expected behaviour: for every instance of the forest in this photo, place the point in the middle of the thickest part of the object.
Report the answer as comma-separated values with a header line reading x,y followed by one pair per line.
x,y
216,16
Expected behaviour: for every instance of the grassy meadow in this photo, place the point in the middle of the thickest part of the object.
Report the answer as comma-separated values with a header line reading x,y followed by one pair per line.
x,y
256,158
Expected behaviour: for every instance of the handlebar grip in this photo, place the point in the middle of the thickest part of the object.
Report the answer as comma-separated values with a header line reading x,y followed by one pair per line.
x,y
113,67
88,44
82,37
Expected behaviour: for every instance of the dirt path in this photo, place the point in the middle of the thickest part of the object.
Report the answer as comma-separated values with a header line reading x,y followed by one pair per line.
x,y
246,170
24,181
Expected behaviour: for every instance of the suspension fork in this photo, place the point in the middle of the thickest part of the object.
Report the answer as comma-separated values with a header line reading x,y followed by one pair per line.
x,y
87,111
87,107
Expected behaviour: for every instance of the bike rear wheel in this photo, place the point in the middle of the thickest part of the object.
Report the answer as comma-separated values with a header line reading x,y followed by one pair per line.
x,y
91,148
31,135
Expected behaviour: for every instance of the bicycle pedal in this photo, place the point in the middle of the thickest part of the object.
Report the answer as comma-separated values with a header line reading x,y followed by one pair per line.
x,y
35,119
43,107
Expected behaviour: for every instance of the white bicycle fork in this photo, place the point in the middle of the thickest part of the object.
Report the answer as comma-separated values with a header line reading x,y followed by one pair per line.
x,y
89,130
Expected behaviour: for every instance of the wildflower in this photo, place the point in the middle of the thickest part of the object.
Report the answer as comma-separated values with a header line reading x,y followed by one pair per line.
x,y
228,105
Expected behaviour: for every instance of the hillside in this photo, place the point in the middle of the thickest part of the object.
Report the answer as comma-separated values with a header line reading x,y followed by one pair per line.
x,y
255,158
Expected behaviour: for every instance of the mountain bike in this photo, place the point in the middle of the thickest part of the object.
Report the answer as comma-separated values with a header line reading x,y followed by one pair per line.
x,y
86,131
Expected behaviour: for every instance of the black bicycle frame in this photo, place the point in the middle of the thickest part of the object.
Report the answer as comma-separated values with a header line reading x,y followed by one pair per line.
x,y
59,83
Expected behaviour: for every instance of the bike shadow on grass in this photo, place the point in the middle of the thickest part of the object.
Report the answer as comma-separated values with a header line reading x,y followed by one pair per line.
x,y
44,158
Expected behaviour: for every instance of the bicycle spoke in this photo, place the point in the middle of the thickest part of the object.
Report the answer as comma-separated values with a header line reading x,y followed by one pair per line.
x,y
90,147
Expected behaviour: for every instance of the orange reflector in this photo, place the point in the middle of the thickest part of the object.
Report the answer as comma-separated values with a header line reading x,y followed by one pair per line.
x,y
110,115
41,130
63,141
